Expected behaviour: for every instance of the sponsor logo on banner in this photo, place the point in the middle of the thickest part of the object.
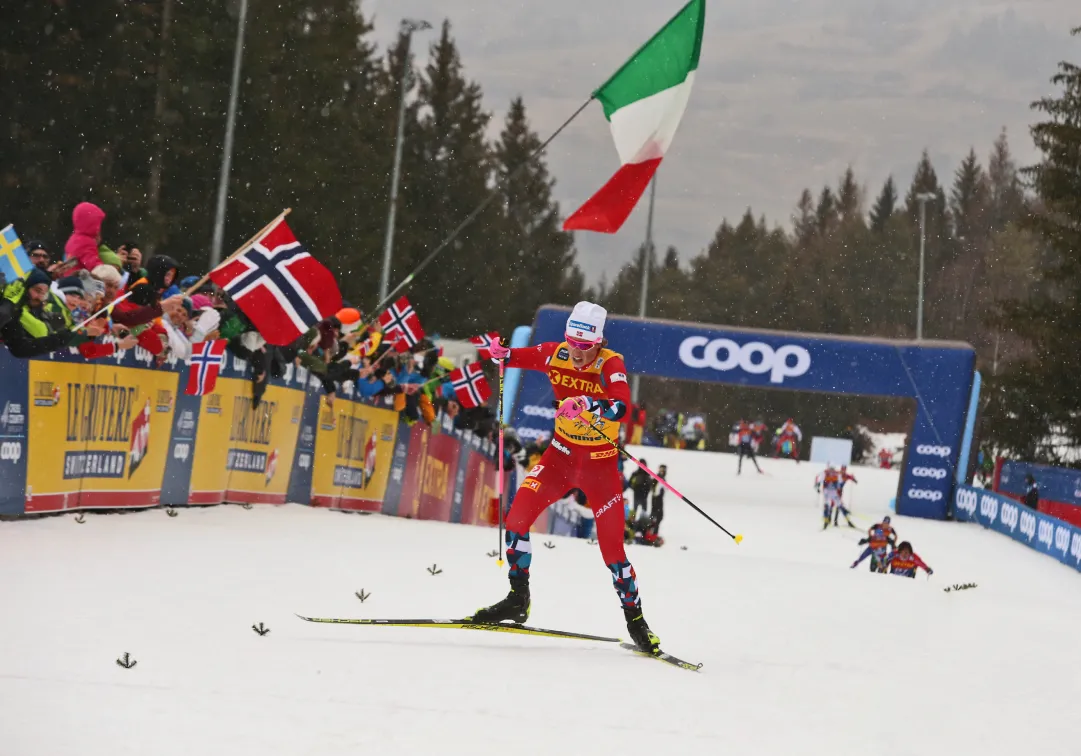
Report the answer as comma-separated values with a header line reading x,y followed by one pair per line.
x,y
989,507
164,401
1075,547
1062,539
1008,514
967,501
46,394
532,410
755,357
933,451
13,419
925,494
11,451
574,383
560,447
582,326
185,423
937,473
605,454
386,433
1028,524
181,452
213,404
532,433
1045,533
94,464
348,477
252,425
246,461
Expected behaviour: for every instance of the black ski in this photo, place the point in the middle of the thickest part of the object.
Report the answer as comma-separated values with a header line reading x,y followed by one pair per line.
x,y
663,656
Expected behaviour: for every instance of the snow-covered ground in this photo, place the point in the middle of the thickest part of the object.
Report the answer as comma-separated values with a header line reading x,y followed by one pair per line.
x,y
802,655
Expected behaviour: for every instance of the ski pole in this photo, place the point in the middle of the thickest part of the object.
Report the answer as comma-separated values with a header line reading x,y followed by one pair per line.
x,y
734,536
499,419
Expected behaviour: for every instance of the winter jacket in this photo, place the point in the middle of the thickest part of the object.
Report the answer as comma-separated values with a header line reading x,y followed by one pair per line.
x,y
29,334
82,245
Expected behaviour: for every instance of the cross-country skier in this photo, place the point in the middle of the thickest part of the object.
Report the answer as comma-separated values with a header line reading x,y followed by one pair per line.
x,y
880,537
745,437
841,508
828,483
590,382
788,437
904,562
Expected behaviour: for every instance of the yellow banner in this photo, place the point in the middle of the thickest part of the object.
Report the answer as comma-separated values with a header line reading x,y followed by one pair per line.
x,y
353,448
98,435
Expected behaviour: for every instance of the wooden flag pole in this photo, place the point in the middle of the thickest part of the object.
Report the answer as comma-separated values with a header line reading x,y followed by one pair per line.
x,y
241,249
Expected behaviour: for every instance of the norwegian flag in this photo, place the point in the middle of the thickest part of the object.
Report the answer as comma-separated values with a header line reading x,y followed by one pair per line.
x,y
484,344
400,321
470,385
207,357
282,289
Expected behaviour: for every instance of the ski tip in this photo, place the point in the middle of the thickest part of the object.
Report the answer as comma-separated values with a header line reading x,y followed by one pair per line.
x,y
737,538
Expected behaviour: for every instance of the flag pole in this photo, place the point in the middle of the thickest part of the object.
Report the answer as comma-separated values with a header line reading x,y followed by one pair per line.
x,y
390,297
241,249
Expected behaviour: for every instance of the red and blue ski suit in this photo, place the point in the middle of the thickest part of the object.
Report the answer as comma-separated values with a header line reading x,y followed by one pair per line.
x,y
905,564
577,458
879,538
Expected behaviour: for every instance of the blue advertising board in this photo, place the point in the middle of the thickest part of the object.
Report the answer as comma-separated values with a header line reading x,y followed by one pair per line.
x,y
14,419
938,375
1048,535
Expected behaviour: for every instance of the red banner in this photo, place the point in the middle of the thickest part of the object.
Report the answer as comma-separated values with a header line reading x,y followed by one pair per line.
x,y
437,477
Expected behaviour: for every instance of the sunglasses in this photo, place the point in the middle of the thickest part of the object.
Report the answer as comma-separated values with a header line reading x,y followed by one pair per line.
x,y
585,346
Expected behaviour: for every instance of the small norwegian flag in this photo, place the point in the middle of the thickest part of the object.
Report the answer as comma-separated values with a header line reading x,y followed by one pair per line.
x,y
400,321
282,289
484,344
470,385
207,357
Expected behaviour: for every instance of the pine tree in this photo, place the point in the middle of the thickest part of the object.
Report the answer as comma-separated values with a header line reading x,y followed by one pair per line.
x,y
825,212
1007,200
803,222
849,199
884,207
1041,396
969,199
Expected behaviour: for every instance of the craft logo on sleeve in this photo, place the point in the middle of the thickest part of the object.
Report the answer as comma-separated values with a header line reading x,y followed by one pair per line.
x,y
250,426
213,404
46,394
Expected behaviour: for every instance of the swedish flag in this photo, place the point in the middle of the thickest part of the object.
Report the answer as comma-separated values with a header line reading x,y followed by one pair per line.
x,y
14,262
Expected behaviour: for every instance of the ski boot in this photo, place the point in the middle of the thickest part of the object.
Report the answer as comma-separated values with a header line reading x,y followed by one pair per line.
x,y
514,608
643,637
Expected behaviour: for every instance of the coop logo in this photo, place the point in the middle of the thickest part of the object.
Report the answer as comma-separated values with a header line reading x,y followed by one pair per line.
x,y
929,472
966,501
755,357
532,410
1028,525
1062,539
925,494
11,451
1075,547
1045,533
1009,516
933,451
989,507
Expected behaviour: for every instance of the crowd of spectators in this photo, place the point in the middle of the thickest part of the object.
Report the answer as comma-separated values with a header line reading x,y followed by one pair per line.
x,y
98,300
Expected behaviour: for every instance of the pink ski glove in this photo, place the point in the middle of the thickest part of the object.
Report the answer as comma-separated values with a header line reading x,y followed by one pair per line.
x,y
572,407
499,352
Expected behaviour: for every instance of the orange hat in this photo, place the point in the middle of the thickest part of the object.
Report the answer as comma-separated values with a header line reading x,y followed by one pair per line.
x,y
349,318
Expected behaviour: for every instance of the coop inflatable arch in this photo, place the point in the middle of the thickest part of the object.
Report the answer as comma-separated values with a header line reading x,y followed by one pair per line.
x,y
938,375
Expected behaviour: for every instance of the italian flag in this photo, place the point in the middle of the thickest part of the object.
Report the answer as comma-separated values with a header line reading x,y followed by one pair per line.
x,y
644,102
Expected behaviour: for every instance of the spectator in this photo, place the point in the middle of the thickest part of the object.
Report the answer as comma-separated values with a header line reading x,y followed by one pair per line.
x,y
131,262
83,243
33,321
641,484
39,256
1031,498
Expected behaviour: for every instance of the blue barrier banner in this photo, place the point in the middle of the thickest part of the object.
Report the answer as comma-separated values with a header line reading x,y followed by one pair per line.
x,y
938,375
398,465
176,485
466,442
14,417
1045,534
1056,483
300,477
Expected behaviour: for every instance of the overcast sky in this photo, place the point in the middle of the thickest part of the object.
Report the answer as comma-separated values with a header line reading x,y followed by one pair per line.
x,y
788,94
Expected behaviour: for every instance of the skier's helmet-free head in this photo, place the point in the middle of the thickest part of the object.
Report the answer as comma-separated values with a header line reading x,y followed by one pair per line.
x,y
886,520
585,326
905,546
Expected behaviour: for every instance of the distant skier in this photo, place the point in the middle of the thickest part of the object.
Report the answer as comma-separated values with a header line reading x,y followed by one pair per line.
x,y
841,508
885,458
590,382
758,434
880,537
788,438
828,483
745,438
904,562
